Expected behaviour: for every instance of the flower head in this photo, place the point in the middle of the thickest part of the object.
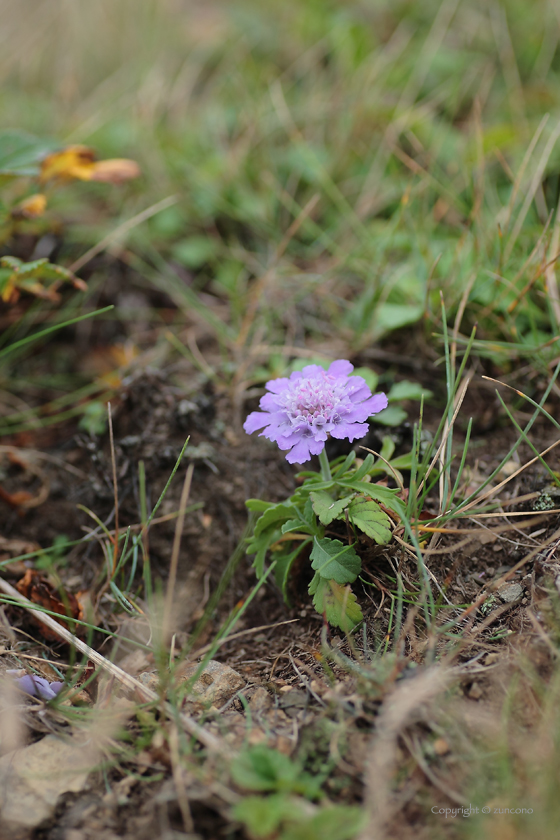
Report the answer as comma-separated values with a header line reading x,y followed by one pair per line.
x,y
38,686
300,413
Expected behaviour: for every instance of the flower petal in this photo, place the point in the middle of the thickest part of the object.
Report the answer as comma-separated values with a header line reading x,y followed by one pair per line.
x,y
300,453
377,403
269,402
39,687
277,386
255,420
311,371
342,367
352,431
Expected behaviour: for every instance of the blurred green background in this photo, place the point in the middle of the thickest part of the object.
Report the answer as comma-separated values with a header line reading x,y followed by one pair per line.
x,y
335,164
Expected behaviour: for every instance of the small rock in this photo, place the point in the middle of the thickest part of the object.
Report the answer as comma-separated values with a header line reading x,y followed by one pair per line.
x,y
510,592
441,747
216,684
260,702
475,691
492,658
33,778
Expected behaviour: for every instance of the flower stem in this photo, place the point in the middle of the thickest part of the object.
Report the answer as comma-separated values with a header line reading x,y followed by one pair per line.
x,y
325,466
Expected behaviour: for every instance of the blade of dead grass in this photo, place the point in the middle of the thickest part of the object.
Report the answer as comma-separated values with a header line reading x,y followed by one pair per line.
x,y
115,490
396,713
121,230
168,611
213,743
535,184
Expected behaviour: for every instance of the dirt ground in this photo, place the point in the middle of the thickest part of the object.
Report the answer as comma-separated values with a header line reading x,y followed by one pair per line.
x,y
291,696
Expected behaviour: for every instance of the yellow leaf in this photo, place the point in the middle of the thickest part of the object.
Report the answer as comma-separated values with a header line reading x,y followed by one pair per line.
x,y
31,207
10,293
115,170
72,162
79,162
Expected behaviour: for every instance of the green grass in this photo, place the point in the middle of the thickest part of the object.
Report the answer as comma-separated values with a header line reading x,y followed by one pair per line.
x,y
334,171
342,161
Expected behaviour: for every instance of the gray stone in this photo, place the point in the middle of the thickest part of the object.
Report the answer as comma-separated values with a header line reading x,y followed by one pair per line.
x,y
216,684
32,778
510,592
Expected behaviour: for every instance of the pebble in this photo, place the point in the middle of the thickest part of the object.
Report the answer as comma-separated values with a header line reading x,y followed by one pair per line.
x,y
475,691
510,592
214,686
33,778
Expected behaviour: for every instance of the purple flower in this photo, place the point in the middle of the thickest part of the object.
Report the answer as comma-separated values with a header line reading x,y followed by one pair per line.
x,y
39,687
300,413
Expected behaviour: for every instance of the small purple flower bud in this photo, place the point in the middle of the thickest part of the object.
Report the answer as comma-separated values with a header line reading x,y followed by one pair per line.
x,y
39,687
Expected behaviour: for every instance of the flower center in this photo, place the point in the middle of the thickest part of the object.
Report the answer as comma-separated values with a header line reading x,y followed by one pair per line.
x,y
315,401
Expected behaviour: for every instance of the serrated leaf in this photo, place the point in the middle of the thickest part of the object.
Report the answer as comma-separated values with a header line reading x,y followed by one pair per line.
x,y
335,561
326,508
385,495
274,516
366,515
337,602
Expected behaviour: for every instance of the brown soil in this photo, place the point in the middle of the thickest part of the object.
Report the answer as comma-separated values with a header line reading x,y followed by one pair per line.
x,y
296,698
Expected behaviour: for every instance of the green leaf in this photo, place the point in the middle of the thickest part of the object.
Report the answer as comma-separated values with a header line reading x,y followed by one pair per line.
x,y
366,515
263,815
308,513
274,516
21,153
94,418
385,495
326,507
335,561
258,505
406,390
195,251
387,447
284,563
338,603
392,316
337,822
297,525
364,468
262,768
394,415
403,462
346,464
259,547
